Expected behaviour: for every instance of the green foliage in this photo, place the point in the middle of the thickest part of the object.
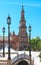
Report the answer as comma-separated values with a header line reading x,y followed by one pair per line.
x,y
40,55
36,44
26,49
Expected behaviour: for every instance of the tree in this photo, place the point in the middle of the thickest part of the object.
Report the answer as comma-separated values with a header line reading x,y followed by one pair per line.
x,y
36,44
40,56
39,45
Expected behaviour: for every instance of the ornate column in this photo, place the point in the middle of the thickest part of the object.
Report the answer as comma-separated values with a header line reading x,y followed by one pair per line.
x,y
9,22
30,43
3,42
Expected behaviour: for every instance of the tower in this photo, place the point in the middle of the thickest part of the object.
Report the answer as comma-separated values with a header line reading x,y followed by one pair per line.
x,y
23,36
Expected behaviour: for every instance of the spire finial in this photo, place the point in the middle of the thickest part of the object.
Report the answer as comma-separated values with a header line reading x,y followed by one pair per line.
x,y
22,12
22,7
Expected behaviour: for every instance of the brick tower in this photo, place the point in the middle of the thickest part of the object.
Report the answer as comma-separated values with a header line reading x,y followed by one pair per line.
x,y
23,36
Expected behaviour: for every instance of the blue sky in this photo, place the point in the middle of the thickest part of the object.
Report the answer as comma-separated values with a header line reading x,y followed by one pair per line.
x,y
13,7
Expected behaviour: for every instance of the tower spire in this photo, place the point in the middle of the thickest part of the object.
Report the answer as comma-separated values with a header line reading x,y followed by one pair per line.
x,y
23,36
22,7
22,12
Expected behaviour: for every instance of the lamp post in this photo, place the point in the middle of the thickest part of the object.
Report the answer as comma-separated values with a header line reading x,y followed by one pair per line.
x,y
30,43
3,42
9,22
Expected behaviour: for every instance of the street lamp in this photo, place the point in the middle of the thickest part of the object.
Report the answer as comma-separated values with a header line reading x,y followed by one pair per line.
x,y
9,22
3,42
30,43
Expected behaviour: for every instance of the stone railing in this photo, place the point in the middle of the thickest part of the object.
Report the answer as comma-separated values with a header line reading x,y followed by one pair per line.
x,y
20,56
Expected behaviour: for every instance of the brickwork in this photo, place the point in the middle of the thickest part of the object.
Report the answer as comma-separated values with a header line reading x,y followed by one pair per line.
x,y
23,36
